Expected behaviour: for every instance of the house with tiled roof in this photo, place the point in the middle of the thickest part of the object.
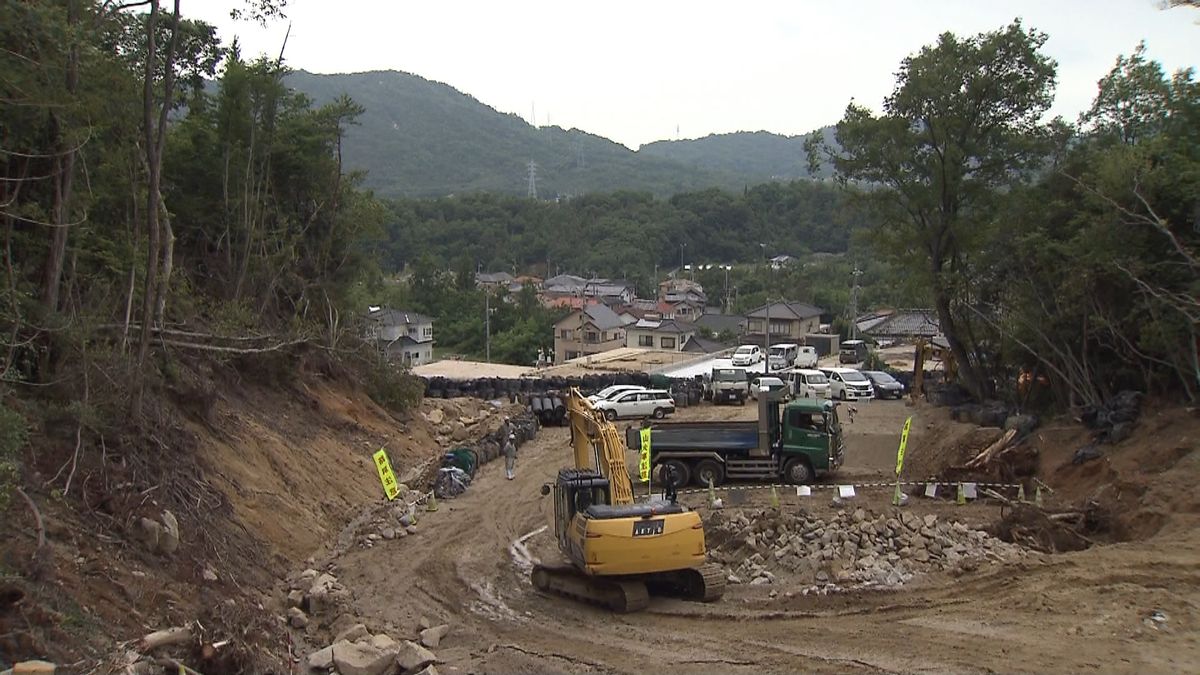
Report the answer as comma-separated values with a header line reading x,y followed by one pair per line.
x,y
591,329
668,334
402,336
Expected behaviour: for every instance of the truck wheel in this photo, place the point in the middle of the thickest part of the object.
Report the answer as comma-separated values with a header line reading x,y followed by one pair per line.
x,y
682,474
611,415
797,471
659,413
708,469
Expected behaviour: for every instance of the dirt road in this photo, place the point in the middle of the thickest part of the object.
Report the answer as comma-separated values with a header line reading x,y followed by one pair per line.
x,y
1077,612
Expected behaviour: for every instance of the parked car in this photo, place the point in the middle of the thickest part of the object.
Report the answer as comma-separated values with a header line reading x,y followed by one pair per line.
x,y
807,383
781,356
852,351
609,392
656,403
747,355
806,357
885,385
848,383
764,384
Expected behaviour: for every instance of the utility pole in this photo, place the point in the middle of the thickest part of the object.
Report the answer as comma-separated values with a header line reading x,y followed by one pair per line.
x,y
487,324
767,340
854,303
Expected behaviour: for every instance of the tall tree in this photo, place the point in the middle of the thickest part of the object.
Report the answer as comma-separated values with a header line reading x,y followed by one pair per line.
x,y
961,125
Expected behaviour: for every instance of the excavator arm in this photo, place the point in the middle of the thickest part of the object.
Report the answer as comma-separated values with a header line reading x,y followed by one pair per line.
x,y
597,445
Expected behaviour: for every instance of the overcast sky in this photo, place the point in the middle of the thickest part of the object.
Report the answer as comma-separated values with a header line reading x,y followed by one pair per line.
x,y
636,72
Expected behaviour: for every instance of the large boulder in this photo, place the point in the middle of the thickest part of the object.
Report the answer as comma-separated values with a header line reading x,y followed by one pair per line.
x,y
413,657
362,658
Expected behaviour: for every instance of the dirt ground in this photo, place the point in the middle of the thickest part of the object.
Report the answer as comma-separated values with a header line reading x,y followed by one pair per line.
x,y
1084,611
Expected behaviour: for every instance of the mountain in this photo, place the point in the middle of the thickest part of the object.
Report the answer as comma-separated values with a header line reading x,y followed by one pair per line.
x,y
419,138
754,156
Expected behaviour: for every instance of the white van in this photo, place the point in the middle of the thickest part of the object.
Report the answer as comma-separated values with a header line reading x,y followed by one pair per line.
x,y
848,383
782,355
806,357
807,383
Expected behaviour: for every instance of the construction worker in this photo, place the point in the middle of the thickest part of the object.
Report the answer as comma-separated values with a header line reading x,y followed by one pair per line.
x,y
510,456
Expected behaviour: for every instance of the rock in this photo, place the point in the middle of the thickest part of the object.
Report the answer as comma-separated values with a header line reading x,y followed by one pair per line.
x,y
413,657
352,634
150,532
360,658
432,637
169,541
921,556
424,622
759,581
295,598
931,520
459,433
297,618
321,660
208,574
388,533
822,576
859,515
308,574
34,668
436,416
385,643
427,670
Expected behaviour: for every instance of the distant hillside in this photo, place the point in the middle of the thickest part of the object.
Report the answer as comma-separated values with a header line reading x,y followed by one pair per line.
x,y
419,138
755,157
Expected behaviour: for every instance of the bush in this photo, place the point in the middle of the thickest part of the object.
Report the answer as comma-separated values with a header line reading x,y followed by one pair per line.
x,y
13,435
394,389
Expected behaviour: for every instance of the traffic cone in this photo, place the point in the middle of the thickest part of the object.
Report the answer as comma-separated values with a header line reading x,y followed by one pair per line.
x,y
431,505
962,495
712,494
1020,492
1037,496
774,498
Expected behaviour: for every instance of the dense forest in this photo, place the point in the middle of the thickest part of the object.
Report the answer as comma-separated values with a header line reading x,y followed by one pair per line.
x,y
417,138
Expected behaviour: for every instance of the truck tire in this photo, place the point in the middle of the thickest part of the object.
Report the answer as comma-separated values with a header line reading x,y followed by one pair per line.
x,y
797,471
683,475
706,469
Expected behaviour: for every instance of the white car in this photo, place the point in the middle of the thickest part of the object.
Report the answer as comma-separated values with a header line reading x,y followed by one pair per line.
x,y
782,356
747,355
609,392
764,384
809,384
847,383
806,357
656,403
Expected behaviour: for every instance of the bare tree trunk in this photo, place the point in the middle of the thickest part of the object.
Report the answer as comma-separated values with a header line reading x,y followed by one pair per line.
x,y
64,176
968,373
155,142
168,263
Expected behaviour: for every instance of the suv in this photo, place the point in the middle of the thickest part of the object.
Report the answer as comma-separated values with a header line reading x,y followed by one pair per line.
x,y
848,383
885,385
645,403
747,355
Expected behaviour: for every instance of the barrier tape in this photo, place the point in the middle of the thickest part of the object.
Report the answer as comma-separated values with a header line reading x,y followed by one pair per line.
x,y
892,484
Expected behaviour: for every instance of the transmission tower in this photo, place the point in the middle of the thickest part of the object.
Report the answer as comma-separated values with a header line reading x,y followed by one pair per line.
x,y
532,179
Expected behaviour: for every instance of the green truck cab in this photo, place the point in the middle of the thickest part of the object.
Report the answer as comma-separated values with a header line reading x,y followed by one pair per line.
x,y
796,441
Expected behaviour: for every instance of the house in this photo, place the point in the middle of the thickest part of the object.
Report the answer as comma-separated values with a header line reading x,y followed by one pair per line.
x,y
789,322
492,281
781,261
718,322
698,345
609,291
679,290
591,329
403,336
667,334
902,324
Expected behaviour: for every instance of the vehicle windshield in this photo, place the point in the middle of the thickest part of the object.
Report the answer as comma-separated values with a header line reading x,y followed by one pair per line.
x,y
772,382
728,375
853,376
743,351
815,379
883,377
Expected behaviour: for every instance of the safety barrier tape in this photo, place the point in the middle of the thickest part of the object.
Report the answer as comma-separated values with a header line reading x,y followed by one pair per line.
x,y
777,486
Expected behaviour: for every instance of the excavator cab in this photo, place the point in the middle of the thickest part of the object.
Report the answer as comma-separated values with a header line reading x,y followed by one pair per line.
x,y
575,491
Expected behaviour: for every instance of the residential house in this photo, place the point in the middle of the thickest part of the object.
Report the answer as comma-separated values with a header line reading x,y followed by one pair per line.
x,y
403,336
666,334
493,281
609,291
789,322
592,329
718,322
698,345
781,261
903,324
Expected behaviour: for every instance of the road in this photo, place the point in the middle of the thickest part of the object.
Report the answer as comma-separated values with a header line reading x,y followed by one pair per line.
x,y
1067,613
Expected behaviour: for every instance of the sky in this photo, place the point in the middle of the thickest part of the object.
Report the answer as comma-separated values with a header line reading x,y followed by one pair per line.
x,y
637,72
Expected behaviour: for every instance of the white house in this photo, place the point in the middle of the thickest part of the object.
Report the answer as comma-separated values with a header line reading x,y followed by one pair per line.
x,y
402,336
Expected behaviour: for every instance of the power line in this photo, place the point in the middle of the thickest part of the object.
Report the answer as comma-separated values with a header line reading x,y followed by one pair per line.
x,y
532,179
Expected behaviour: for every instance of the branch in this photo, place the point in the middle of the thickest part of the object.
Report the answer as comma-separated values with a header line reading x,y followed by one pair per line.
x,y
37,519
235,350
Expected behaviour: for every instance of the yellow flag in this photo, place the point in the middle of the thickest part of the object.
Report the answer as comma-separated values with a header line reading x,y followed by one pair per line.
x,y
903,444
644,459
390,487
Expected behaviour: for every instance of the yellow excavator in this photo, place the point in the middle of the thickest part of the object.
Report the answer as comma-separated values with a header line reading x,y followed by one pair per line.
x,y
620,551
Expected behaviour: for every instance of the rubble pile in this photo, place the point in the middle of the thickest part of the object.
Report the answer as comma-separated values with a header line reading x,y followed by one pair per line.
x,y
850,550
355,651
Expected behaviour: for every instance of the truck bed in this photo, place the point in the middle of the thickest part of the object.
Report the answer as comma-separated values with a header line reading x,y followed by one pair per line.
x,y
697,436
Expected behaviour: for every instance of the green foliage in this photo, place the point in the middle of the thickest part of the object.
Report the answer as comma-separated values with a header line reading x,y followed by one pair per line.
x,y
14,433
755,157
392,388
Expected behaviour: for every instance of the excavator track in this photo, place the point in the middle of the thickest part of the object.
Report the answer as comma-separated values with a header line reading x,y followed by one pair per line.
x,y
618,595
712,583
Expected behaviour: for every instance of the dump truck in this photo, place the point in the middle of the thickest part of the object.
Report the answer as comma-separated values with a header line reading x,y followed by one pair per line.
x,y
796,441
728,385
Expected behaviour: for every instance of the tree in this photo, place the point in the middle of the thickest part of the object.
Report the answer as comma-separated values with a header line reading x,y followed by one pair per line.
x,y
961,126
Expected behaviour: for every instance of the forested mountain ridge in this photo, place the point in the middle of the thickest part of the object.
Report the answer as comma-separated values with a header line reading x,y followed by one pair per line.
x,y
419,138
